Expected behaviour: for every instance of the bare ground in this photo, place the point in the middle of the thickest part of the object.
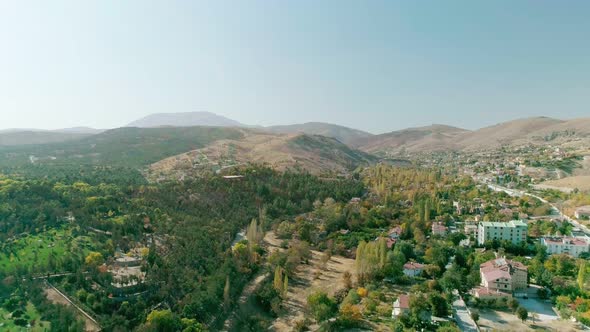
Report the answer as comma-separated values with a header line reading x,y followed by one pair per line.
x,y
310,278
581,182
495,320
55,297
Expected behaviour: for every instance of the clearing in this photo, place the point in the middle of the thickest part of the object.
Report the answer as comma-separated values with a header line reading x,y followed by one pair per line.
x,y
310,278
581,182
56,297
496,320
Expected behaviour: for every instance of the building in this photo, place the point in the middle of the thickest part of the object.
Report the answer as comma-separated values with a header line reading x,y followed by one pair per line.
x,y
413,269
582,212
401,305
438,228
483,293
470,229
514,231
573,246
395,233
503,275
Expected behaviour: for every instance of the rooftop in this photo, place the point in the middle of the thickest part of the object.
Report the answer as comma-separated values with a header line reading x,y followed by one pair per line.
x,y
413,266
512,223
403,301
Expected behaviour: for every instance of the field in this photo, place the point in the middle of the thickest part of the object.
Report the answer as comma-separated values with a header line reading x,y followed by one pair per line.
x,y
31,251
545,320
7,324
581,182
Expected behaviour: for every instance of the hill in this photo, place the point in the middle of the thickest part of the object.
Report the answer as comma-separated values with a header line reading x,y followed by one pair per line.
x,y
343,134
511,133
313,153
17,137
131,147
421,139
527,131
188,119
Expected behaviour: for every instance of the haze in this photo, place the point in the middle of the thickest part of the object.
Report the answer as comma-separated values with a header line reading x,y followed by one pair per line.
x,y
376,66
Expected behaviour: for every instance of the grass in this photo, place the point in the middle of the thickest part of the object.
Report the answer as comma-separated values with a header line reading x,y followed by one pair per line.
x,y
34,251
31,314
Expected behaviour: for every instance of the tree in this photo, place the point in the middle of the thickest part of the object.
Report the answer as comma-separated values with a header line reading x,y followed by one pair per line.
x,y
94,259
226,293
582,275
347,280
522,314
163,321
321,306
439,305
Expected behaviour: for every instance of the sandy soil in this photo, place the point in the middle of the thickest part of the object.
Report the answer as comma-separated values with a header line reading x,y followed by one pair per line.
x,y
581,182
493,320
309,279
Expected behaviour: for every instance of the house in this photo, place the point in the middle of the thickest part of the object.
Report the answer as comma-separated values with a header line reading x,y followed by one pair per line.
x,y
503,275
395,233
401,305
573,246
438,228
413,269
514,231
582,212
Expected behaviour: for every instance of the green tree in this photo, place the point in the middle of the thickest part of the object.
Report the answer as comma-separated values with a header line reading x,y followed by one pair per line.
x,y
522,314
321,306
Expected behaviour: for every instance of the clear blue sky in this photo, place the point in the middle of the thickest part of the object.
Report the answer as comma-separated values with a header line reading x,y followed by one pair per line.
x,y
373,65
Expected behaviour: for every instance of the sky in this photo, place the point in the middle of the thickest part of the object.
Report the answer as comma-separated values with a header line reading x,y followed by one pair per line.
x,y
372,65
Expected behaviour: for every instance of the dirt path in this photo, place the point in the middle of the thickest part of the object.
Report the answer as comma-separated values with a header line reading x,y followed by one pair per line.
x,y
58,297
272,244
310,278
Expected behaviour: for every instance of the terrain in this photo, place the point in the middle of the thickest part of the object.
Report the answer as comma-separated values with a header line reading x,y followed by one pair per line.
x,y
315,154
431,138
187,119
343,134
521,132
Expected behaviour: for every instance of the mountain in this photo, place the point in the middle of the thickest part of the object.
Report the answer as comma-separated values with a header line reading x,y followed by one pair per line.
x,y
435,138
343,134
431,138
312,153
188,119
516,132
131,147
172,148
80,130
15,137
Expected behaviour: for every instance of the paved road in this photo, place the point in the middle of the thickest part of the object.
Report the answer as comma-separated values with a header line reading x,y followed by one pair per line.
x,y
554,208
463,317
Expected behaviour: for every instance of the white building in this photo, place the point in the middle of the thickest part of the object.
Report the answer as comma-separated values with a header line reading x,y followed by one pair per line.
x,y
573,246
401,305
514,231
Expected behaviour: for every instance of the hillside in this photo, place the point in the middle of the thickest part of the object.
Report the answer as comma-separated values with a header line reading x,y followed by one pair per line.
x,y
27,137
343,134
315,154
132,147
430,138
536,131
187,119
514,132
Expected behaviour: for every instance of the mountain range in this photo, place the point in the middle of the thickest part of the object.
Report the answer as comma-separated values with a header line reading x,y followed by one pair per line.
x,y
433,138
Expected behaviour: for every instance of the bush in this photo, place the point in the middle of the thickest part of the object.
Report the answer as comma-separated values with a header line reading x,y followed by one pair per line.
x,y
321,306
